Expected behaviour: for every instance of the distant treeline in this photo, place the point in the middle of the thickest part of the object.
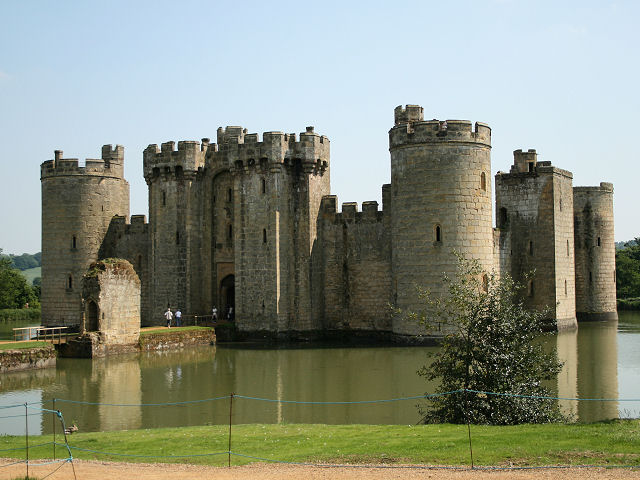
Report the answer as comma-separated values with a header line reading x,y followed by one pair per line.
x,y
26,261
628,275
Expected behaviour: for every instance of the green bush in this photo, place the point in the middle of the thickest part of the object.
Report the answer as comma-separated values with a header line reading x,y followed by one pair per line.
x,y
20,314
629,303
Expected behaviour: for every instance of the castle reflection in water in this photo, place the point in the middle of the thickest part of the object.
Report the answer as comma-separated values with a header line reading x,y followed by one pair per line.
x,y
600,362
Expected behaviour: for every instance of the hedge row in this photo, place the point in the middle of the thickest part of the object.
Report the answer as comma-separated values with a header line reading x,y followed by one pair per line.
x,y
20,314
629,303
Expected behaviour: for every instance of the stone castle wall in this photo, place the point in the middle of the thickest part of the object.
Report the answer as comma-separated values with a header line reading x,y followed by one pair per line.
x,y
534,211
249,223
356,266
595,253
440,203
77,206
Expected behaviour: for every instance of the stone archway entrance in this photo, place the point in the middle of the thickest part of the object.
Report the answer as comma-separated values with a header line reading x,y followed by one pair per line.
x,y
227,295
92,317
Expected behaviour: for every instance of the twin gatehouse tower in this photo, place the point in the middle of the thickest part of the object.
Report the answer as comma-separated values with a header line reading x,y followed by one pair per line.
x,y
250,223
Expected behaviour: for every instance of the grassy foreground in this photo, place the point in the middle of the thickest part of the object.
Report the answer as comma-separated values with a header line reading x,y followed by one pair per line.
x,y
605,443
160,330
21,345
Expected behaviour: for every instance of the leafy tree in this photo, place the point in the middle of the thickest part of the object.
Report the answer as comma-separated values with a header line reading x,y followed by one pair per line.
x,y
489,347
628,270
15,292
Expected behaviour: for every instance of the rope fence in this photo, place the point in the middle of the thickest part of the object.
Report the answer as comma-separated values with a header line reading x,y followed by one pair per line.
x,y
58,423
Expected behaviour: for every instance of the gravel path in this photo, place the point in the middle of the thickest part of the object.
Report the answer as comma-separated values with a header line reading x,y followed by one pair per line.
x,y
93,470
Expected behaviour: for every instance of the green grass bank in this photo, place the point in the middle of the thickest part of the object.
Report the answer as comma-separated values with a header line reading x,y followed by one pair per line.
x,y
22,345
604,443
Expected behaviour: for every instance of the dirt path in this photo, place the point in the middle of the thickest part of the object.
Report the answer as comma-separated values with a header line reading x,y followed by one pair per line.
x,y
93,470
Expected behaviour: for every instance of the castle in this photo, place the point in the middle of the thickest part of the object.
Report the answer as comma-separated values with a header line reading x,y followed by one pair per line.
x,y
250,223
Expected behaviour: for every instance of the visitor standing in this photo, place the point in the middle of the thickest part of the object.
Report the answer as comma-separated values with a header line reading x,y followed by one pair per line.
x,y
178,318
215,313
168,315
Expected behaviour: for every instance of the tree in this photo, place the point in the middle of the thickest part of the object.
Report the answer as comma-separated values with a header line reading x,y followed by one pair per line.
x,y
628,270
489,346
15,292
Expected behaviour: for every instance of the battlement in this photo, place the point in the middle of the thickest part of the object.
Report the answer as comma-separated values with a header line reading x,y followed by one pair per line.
x,y
408,114
350,213
524,162
111,164
120,225
436,131
605,188
243,151
166,160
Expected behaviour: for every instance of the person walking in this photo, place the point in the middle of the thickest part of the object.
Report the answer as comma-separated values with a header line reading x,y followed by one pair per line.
x,y
178,318
215,314
168,315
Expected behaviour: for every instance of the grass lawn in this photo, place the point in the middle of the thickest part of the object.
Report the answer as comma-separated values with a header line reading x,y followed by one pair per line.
x,y
604,443
169,331
19,345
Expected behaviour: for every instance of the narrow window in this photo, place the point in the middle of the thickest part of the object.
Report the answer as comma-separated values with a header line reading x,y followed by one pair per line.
x,y
502,219
530,288
230,195
264,235
73,242
264,186
139,262
438,233
70,282
560,204
567,248
164,198
590,278
598,241
483,181
230,232
530,247
565,288
177,238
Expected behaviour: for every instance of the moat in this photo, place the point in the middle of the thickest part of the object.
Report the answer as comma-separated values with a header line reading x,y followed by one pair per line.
x,y
602,361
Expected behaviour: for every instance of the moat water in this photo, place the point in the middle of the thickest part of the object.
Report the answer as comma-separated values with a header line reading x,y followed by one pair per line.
x,y
602,360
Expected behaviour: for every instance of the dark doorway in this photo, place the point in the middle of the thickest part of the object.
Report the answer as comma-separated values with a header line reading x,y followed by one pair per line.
x,y
227,295
92,317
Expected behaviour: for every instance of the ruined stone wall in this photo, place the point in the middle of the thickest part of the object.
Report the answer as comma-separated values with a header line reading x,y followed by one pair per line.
x,y
111,289
130,241
595,259
441,203
528,200
356,266
78,204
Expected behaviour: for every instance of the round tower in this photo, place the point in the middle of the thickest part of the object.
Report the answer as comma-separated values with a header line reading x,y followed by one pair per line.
x,y
595,253
440,204
78,204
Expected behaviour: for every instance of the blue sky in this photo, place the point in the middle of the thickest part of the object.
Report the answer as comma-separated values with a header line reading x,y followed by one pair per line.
x,y
560,77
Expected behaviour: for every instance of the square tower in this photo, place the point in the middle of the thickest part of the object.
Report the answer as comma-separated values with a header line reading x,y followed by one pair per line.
x,y
534,208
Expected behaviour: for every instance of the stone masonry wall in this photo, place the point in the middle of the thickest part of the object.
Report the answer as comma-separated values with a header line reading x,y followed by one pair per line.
x,y
356,266
528,204
595,253
441,204
113,287
78,204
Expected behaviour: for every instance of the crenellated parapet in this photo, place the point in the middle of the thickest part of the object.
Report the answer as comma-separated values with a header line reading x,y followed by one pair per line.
x,y
411,129
111,164
350,213
166,160
244,151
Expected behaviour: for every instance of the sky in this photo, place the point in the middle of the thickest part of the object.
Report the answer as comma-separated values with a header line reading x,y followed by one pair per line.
x,y
560,77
